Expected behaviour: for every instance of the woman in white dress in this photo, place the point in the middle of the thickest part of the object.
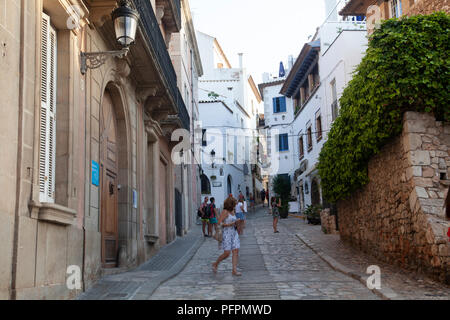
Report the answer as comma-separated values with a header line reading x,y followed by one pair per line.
x,y
230,237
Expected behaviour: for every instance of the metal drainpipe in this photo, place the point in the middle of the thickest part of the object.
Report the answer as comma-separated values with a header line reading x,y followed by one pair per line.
x,y
13,293
83,39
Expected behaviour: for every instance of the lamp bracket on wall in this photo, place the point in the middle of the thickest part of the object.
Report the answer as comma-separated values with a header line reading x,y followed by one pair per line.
x,y
94,60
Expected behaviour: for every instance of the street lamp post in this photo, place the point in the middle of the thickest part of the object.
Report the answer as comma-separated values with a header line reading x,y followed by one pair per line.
x,y
125,21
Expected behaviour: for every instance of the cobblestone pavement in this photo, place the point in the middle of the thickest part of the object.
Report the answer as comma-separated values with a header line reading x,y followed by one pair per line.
x,y
273,266
141,282
397,282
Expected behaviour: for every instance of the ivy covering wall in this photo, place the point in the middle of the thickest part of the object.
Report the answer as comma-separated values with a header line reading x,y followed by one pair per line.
x,y
406,68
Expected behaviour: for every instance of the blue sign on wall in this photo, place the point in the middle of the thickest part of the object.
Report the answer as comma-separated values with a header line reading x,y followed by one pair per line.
x,y
135,204
95,174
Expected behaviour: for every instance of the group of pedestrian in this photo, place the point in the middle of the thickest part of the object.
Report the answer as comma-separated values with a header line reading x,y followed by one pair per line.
x,y
208,213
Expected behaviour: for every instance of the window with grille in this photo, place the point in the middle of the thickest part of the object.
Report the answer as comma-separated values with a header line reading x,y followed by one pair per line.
x,y
309,137
301,147
47,129
334,104
396,8
318,126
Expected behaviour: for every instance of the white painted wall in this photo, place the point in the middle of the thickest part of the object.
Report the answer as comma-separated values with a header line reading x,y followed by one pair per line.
x,y
337,61
232,111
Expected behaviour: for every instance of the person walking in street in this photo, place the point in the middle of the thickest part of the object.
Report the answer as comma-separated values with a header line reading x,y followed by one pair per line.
x,y
267,198
205,218
252,202
230,237
263,196
240,214
275,206
213,218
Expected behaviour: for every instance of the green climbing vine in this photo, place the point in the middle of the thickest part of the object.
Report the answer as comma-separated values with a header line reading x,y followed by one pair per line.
x,y
406,68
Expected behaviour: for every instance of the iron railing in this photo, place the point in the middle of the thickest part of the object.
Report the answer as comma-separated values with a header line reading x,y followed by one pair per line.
x,y
183,113
158,46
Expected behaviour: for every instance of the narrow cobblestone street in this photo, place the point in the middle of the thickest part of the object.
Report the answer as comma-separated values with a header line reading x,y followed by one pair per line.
x,y
273,266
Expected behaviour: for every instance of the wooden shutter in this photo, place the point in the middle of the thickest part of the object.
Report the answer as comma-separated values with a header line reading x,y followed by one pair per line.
x,y
274,105
286,142
282,104
48,112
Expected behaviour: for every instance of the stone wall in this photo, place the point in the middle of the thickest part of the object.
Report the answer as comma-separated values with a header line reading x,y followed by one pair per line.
x,y
429,6
399,215
328,222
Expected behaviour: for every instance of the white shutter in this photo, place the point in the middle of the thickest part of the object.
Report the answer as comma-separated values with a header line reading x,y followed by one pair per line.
x,y
48,112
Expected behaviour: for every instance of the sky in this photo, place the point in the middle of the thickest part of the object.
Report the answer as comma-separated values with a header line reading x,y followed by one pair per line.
x,y
266,31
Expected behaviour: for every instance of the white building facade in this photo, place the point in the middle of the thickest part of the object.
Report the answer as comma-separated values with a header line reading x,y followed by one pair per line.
x,y
229,104
278,118
185,56
315,84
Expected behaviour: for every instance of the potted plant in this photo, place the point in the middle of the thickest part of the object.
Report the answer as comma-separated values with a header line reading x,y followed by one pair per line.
x,y
313,214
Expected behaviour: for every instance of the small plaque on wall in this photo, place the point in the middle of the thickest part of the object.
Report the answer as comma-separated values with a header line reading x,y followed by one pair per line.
x,y
95,174
217,184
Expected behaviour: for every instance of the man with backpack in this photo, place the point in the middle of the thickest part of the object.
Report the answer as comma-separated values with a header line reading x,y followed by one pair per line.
x,y
203,212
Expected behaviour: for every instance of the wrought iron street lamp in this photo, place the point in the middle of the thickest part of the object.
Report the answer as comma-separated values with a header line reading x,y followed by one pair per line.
x,y
125,20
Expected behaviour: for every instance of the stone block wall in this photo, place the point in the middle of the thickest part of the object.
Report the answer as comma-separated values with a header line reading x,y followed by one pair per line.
x,y
399,215
428,7
328,222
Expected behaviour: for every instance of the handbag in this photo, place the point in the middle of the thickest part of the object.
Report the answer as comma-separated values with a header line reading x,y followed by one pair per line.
x,y
219,234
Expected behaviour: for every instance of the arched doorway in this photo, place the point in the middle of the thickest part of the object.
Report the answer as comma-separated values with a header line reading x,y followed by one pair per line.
x,y
315,193
205,184
229,185
109,181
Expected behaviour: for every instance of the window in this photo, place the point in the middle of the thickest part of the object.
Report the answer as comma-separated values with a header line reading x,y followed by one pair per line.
x,y
318,126
204,142
309,137
334,104
283,144
47,128
279,104
301,147
396,8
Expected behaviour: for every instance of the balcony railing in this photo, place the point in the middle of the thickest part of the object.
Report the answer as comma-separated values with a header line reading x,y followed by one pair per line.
x,y
182,112
158,46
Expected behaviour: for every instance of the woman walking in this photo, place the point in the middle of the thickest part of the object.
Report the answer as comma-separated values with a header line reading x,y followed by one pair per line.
x,y
275,205
230,238
213,218
205,218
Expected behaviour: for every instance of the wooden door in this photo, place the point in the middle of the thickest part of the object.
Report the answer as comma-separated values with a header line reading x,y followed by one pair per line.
x,y
162,203
109,197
